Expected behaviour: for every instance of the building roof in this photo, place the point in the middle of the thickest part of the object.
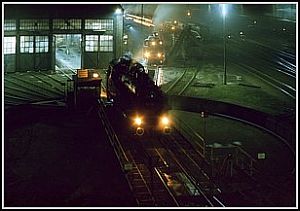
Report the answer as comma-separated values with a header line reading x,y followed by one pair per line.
x,y
45,10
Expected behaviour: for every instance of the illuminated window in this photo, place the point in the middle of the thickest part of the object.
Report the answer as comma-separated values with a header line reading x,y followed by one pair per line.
x,y
99,24
34,24
26,44
9,45
91,43
10,25
41,44
106,43
67,24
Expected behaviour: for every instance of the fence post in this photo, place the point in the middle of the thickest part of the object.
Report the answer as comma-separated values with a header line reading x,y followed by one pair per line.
x,y
211,161
251,167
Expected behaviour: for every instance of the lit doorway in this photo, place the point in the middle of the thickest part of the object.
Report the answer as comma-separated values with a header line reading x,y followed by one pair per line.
x,y
67,51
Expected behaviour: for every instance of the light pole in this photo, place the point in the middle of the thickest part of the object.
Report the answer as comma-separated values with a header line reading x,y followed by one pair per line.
x,y
223,7
143,36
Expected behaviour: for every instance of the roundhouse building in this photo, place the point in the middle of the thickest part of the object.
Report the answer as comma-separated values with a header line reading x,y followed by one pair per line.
x,y
41,37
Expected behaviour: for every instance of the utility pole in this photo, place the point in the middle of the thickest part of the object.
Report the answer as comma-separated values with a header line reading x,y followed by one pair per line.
x,y
142,30
224,39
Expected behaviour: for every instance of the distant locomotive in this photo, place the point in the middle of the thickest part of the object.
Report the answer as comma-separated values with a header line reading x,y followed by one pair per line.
x,y
130,88
154,52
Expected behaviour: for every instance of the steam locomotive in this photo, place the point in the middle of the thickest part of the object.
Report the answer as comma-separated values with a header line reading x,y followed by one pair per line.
x,y
131,89
154,52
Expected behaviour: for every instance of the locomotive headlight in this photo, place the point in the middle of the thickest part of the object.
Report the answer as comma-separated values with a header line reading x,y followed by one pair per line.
x,y
147,54
165,120
138,121
95,75
165,124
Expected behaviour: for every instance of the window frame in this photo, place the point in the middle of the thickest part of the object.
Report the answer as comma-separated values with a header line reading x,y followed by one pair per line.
x,y
9,47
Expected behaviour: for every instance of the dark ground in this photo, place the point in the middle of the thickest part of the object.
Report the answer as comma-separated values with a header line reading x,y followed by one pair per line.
x,y
57,158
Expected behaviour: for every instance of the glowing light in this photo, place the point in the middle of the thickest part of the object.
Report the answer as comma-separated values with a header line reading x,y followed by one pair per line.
x,y
95,75
160,42
141,20
165,120
158,55
143,23
118,11
153,43
138,121
224,10
147,54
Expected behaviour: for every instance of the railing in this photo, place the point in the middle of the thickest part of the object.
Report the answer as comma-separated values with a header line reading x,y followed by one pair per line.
x,y
234,156
282,130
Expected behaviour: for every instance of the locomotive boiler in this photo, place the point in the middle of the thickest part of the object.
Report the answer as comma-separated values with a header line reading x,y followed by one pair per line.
x,y
131,89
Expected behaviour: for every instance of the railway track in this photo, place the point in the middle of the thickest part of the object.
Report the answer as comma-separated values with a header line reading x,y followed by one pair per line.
x,y
166,185
143,178
19,92
243,168
193,168
274,67
284,88
177,159
67,72
182,164
179,86
34,87
147,182
159,168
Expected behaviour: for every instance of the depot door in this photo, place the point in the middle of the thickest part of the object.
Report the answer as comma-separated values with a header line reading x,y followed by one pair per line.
x,y
67,51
